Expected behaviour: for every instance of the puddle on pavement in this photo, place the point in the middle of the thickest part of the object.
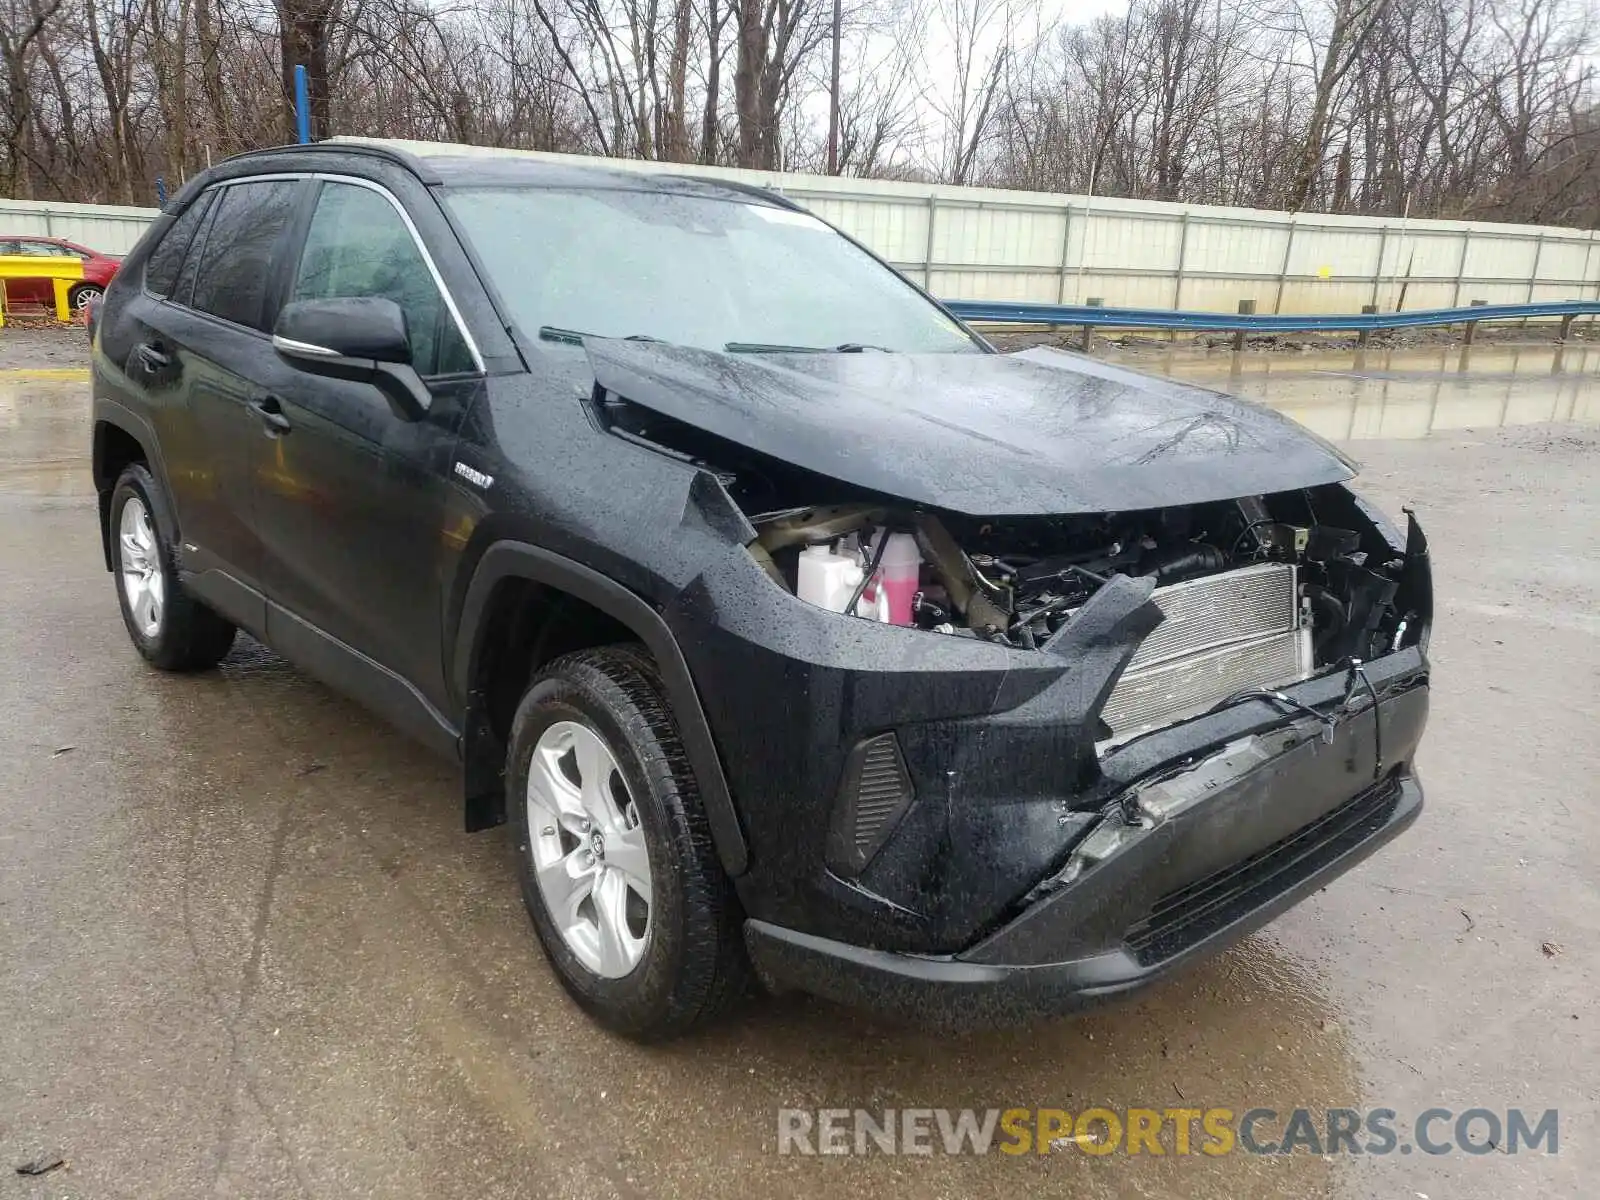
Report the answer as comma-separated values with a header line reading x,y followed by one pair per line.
x,y
1352,396
44,433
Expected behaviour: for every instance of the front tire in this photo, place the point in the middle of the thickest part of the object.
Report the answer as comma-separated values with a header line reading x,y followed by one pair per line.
x,y
84,295
614,850
167,625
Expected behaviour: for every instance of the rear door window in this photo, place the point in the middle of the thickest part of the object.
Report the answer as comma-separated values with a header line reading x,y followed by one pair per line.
x,y
183,291
161,271
236,264
358,245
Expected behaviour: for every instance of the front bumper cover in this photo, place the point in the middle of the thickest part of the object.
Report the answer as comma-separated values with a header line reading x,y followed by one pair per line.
x,y
1202,857
1000,745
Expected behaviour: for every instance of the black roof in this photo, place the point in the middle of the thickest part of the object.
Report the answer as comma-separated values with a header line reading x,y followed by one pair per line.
x,y
502,170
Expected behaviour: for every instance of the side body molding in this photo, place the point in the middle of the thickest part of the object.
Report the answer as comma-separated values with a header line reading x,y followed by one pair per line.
x,y
519,560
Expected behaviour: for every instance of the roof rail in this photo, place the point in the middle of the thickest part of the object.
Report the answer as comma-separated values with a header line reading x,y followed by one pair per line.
x,y
411,162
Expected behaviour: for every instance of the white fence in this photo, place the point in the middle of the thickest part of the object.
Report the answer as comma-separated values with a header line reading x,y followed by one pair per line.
x,y
986,244
108,228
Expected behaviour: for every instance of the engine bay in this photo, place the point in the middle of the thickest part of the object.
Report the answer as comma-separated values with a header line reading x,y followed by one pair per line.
x,y
1019,580
1340,595
1259,592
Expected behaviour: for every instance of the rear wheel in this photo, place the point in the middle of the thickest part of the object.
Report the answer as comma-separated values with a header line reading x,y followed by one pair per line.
x,y
172,629
614,850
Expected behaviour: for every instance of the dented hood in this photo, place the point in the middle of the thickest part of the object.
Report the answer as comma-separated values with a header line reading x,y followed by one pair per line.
x,y
982,434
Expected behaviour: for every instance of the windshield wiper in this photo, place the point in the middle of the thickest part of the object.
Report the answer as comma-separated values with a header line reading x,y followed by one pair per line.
x,y
574,337
776,348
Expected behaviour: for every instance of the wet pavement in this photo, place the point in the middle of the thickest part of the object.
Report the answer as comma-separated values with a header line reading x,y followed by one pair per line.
x,y
1386,394
248,951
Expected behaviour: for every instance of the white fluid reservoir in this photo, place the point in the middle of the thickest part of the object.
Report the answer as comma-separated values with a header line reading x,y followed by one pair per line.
x,y
828,580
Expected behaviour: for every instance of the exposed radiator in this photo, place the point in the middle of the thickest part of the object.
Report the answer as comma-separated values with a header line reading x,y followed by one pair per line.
x,y
1221,634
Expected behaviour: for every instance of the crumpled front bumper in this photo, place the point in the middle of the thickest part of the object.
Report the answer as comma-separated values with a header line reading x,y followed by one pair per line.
x,y
1179,865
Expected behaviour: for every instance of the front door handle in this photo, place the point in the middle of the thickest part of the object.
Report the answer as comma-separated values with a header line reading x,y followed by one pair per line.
x,y
270,409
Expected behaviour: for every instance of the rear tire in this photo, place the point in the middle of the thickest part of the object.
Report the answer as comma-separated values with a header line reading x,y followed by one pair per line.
x,y
167,625
674,956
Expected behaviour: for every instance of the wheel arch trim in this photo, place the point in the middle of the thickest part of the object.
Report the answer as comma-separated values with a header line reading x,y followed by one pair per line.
x,y
520,560
109,413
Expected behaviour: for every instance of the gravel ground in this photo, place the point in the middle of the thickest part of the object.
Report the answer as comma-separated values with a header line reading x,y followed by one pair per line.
x,y
30,344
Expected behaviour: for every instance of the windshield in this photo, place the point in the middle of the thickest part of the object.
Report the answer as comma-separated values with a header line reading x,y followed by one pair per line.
x,y
719,274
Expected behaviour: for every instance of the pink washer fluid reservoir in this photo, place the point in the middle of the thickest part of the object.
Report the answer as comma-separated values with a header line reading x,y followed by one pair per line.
x,y
900,574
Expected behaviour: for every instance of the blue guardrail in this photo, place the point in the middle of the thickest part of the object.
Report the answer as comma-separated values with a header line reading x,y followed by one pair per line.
x,y
1162,318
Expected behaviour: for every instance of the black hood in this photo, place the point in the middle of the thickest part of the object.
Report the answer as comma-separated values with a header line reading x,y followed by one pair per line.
x,y
981,434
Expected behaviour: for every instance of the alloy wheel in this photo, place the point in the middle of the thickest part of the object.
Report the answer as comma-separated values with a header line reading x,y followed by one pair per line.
x,y
144,581
588,847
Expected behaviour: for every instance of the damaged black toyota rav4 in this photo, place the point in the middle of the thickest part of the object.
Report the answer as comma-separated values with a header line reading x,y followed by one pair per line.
x,y
790,626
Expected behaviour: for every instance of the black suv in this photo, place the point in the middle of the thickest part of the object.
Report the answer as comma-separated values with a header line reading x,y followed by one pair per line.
x,y
791,626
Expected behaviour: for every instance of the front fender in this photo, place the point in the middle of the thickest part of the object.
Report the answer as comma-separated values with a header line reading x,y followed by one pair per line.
x,y
520,560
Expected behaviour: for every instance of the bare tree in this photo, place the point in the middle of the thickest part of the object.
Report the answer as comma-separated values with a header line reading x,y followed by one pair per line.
x,y
20,34
775,37
1453,107
1342,29
306,26
966,59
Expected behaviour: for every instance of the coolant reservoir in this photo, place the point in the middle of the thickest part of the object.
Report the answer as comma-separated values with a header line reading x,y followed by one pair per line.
x,y
828,580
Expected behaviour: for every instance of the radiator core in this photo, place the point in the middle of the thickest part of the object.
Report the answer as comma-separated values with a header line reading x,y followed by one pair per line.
x,y
1221,634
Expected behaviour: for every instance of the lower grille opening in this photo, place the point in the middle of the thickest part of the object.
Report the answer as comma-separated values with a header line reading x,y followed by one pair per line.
x,y
1187,915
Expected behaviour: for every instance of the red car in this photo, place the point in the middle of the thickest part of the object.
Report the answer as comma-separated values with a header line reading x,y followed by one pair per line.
x,y
98,270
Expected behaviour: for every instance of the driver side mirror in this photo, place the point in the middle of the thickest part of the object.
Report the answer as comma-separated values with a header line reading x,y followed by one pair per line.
x,y
361,338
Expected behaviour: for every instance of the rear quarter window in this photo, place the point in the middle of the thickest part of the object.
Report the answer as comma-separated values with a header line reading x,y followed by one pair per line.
x,y
161,270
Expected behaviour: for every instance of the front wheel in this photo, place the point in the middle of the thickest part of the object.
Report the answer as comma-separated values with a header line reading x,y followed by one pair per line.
x,y
84,295
614,849
172,629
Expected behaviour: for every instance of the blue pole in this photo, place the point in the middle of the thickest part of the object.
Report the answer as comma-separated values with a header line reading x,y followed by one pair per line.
x,y
302,105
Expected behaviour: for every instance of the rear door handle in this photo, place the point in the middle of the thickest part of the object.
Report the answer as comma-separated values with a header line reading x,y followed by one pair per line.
x,y
270,409
152,356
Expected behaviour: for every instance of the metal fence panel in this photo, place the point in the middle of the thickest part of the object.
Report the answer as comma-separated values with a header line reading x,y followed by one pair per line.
x,y
988,244
1563,261
111,229
1500,259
